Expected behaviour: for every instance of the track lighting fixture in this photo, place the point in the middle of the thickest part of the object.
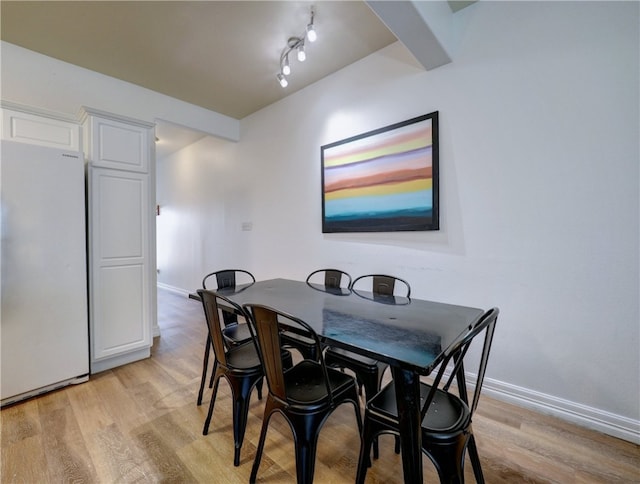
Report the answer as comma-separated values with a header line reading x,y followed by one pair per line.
x,y
297,44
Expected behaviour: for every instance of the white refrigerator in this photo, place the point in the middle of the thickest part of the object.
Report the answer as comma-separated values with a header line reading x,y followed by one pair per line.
x,y
44,335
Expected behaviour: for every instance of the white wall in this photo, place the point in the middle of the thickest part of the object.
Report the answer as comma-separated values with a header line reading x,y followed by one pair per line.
x,y
539,122
198,196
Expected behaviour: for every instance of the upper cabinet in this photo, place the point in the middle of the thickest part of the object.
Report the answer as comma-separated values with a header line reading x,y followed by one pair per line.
x,y
117,142
39,127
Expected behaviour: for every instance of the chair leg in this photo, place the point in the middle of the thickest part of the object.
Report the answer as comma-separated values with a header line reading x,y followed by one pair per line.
x,y
241,394
305,433
475,460
364,461
287,361
313,354
205,364
259,387
308,353
448,459
205,430
371,383
356,406
211,381
268,411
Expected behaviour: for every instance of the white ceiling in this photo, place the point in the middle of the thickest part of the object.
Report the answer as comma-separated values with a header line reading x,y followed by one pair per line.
x,y
221,55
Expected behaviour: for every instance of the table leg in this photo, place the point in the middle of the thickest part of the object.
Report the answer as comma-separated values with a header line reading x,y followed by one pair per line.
x,y
407,385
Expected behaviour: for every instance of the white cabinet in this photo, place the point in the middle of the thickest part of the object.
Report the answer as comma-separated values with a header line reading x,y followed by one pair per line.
x,y
116,142
122,277
39,127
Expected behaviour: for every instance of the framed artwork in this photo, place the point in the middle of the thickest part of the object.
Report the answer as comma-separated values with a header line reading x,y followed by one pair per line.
x,y
385,180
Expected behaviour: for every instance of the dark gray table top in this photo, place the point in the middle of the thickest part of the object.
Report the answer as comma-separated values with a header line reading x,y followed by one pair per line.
x,y
408,333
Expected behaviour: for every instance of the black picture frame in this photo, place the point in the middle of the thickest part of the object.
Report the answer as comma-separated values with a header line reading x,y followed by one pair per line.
x,y
385,180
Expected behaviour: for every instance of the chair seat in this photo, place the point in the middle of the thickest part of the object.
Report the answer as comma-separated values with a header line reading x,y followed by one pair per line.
x,y
236,333
447,413
243,357
305,384
341,355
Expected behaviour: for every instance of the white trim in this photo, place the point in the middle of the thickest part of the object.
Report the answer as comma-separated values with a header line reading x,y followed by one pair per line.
x,y
12,106
173,289
86,111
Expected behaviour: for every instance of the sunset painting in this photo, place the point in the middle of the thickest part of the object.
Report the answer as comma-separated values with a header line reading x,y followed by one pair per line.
x,y
384,180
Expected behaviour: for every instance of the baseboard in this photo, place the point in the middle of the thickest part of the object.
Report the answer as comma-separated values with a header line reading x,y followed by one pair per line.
x,y
119,360
175,290
608,423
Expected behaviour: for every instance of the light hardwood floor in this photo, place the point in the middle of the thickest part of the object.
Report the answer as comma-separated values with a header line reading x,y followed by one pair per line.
x,y
140,423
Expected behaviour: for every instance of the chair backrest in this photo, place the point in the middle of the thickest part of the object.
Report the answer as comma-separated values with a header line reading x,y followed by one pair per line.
x,y
458,352
227,278
384,285
333,278
266,324
214,313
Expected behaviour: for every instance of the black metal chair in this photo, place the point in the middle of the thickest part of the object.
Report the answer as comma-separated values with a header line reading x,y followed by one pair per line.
x,y
234,332
305,394
446,418
239,364
328,279
368,371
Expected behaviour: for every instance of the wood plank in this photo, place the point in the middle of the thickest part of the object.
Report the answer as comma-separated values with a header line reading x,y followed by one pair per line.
x,y
68,459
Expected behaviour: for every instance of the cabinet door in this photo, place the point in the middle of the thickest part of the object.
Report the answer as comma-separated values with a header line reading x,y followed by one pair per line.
x,y
33,129
119,145
120,258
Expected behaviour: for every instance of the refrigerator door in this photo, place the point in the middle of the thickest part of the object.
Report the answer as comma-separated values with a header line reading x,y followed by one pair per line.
x,y
43,319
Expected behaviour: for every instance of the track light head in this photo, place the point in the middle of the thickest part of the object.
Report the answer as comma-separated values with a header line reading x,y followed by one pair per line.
x,y
285,67
282,80
311,33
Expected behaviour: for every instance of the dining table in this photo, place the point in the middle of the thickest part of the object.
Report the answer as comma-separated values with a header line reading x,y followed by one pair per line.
x,y
409,334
